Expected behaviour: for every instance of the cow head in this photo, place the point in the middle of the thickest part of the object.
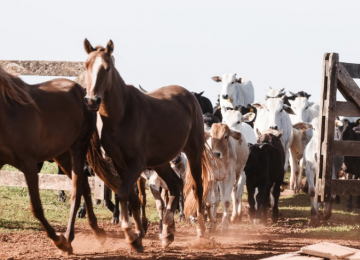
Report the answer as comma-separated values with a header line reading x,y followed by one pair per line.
x,y
233,118
220,135
255,150
304,109
209,119
270,136
275,111
346,130
229,82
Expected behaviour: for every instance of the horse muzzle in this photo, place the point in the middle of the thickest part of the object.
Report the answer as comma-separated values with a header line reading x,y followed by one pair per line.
x,y
93,104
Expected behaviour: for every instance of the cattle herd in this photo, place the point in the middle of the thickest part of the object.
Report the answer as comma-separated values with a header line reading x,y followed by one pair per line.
x,y
161,136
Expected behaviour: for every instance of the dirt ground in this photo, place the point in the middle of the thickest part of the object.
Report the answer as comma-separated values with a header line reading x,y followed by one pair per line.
x,y
243,241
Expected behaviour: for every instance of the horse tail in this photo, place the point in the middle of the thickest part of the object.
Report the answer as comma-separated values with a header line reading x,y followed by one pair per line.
x,y
208,166
103,167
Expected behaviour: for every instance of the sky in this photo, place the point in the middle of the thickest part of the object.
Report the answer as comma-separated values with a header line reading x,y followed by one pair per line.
x,y
158,43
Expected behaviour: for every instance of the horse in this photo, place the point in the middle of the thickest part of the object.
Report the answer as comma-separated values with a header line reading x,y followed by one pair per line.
x,y
43,122
145,131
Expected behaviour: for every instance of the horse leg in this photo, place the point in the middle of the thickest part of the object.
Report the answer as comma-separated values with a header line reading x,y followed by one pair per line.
x,y
32,179
175,185
127,197
142,196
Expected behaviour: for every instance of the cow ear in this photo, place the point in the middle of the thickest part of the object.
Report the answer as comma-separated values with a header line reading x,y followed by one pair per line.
x,y
288,109
280,133
303,126
258,105
236,135
258,132
216,78
239,80
307,96
109,47
201,93
264,147
249,117
88,47
338,123
207,135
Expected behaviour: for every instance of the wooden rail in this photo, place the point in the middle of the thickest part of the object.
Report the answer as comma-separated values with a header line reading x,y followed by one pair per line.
x,y
50,182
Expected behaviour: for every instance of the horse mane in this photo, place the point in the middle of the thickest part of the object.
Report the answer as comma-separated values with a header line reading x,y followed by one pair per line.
x,y
12,88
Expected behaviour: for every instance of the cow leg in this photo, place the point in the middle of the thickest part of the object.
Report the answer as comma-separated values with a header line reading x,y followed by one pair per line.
x,y
181,204
251,200
238,198
62,196
276,195
175,185
116,210
142,197
159,205
226,188
212,203
262,199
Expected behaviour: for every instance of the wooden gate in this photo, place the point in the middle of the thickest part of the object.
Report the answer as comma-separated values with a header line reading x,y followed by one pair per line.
x,y
336,76
47,68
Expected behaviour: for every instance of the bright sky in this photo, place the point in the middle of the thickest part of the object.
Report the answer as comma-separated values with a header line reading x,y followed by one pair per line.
x,y
158,43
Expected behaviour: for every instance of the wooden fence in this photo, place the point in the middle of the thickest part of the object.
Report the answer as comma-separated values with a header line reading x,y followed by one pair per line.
x,y
336,76
47,68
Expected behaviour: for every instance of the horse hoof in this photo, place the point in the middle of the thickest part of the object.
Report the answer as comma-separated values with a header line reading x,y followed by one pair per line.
x,y
167,240
100,236
115,221
63,245
137,245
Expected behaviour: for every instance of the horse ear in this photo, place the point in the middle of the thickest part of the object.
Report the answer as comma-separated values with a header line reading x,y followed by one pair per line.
x,y
88,47
216,78
110,47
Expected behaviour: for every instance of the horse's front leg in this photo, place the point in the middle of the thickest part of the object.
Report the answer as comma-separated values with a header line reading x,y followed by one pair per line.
x,y
127,197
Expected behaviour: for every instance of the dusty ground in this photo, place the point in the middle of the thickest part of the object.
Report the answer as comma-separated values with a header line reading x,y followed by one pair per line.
x,y
243,241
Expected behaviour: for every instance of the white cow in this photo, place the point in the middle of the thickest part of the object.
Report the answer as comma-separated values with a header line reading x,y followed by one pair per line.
x,y
312,159
235,120
234,91
274,114
305,111
232,151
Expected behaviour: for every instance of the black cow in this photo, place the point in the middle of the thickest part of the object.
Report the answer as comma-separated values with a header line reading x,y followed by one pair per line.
x,y
210,119
264,170
205,103
345,130
299,94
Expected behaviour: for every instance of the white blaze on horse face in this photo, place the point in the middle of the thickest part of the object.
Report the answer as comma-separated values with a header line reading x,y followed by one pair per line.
x,y
95,71
228,86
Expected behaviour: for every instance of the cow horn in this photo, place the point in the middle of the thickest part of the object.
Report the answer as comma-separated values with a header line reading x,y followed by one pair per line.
x,y
267,97
293,94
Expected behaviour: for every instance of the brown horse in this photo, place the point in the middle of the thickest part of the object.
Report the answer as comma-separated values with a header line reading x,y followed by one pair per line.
x,y
42,122
145,131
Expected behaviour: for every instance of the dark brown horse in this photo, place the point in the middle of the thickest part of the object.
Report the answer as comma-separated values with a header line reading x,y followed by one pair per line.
x,y
43,122
145,131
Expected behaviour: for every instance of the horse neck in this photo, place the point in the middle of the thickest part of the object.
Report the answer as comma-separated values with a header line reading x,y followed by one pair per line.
x,y
115,98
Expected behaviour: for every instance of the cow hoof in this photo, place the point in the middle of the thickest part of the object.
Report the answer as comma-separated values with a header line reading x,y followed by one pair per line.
x,y
167,240
137,245
82,213
115,221
63,245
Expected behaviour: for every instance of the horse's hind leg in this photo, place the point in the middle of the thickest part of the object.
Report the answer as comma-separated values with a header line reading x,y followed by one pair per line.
x,y
175,185
31,176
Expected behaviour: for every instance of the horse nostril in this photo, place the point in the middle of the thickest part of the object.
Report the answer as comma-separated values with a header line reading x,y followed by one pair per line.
x,y
98,100
224,96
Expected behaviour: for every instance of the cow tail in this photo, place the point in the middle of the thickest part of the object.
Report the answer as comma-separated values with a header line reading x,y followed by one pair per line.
x,y
102,167
208,174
